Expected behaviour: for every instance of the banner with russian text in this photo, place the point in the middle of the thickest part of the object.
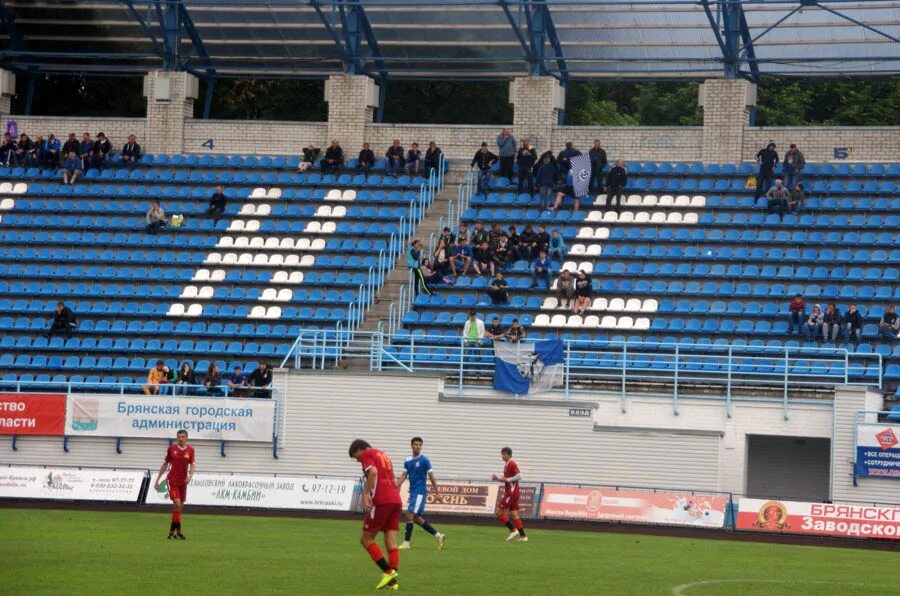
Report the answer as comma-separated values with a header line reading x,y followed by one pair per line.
x,y
878,450
32,414
459,497
264,492
821,519
633,506
160,417
71,484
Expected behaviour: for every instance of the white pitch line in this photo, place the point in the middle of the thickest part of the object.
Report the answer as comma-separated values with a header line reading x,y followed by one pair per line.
x,y
683,588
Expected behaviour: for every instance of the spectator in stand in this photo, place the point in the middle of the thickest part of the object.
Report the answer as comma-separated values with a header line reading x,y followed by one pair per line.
x,y
583,292
441,256
479,234
260,381
448,236
853,324
793,165
565,289
527,244
541,270
502,255
546,180
131,153
484,160
831,323
311,155
516,332
237,383
598,164
64,321
495,332
24,151
217,203
541,242
495,234
185,377
213,380
889,325
506,149
798,197
616,181
8,151
156,378
557,248
72,169
432,277
777,198
102,148
525,160
499,290
473,330
334,158
512,244
366,160
461,258
432,158
51,156
71,146
155,218
814,323
797,310
483,259
413,260
563,160
463,232
86,152
394,155
38,151
565,188
413,160
767,159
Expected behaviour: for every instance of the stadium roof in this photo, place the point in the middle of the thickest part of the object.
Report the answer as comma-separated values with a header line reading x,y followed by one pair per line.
x,y
459,39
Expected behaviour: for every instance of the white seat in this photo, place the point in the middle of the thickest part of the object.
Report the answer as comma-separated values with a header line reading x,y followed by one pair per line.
x,y
574,321
217,275
633,201
641,324
313,227
271,243
248,209
329,227
658,217
323,211
608,322
274,193
649,305
258,242
586,266
610,217
176,310
280,277
194,310
626,217
284,295
594,250
236,225
649,201
569,266
591,322
558,321
633,305
577,249
258,193
625,323
20,189
673,217
601,199
601,234
293,260
276,260
206,292
261,259
585,233
7,204
241,242
616,305
257,312
268,295
641,217
273,312
333,195
286,244
550,303
189,292
5,188
682,201
348,195
252,225
598,304
296,277
541,320
264,210
690,218
213,258
225,242
201,275
666,201
302,244
245,258
338,211
307,261
554,285
229,258
698,201
594,216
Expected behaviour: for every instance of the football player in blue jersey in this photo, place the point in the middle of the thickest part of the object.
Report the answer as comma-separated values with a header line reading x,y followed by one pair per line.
x,y
417,468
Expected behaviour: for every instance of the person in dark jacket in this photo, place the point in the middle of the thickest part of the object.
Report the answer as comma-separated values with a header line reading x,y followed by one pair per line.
x,y
394,155
217,204
432,158
794,162
546,180
334,158
102,148
25,151
797,314
131,152
71,146
64,322
499,290
889,325
598,164
49,154
86,153
616,181
525,160
767,159
563,164
506,149
541,269
853,324
213,380
260,381
831,323
366,160
8,151
310,157
413,160
185,378
484,160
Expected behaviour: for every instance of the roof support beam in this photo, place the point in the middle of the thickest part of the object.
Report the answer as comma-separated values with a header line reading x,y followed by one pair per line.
x,y
526,49
860,23
145,28
196,41
169,16
748,48
356,25
16,42
731,35
556,44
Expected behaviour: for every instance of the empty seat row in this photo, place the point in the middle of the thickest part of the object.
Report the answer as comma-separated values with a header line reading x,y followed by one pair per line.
x,y
741,253
150,327
272,243
648,305
643,217
259,259
592,322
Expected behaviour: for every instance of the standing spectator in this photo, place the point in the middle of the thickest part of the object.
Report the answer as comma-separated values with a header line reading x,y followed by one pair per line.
x,y
185,378
484,160
797,309
583,293
71,146
546,180
432,158
794,162
777,198
767,159
260,381
541,269
483,259
563,160
889,325
131,152
557,248
72,169
158,376
499,290
413,259
86,152
334,158
566,188
8,151
814,323
473,330
506,149
51,156
525,160
853,323
515,332
831,323
155,218
213,380
394,155
366,160
311,155
616,181
598,164
798,197
461,258
25,151
64,322
495,332
102,148
565,289
237,384
217,203
413,159
441,256
448,236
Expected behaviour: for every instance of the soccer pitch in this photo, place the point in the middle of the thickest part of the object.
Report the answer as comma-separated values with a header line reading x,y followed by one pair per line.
x,y
76,553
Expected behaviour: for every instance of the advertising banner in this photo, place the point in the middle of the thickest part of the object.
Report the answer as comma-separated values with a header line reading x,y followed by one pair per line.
x,y
878,450
821,519
160,417
265,492
32,414
70,484
465,498
527,499
633,506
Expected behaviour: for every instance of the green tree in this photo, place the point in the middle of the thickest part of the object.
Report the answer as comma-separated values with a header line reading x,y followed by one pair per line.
x,y
447,102
75,95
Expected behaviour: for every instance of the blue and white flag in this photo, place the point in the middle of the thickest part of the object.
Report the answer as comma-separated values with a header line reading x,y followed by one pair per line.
x,y
580,169
531,367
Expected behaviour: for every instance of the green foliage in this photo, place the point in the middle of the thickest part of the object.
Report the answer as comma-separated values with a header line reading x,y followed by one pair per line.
x,y
447,102
830,102
265,99
632,104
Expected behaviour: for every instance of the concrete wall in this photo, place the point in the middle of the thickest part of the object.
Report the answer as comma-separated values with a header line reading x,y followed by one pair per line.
x,y
258,136
116,129
649,143
818,142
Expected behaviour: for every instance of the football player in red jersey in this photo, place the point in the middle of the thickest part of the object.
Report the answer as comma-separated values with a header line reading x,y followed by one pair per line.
x,y
508,507
180,463
381,500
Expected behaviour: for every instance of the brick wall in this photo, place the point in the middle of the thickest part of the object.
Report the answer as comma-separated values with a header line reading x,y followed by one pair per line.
x,y
116,129
456,142
635,142
165,119
725,115
348,112
818,142
257,136
534,112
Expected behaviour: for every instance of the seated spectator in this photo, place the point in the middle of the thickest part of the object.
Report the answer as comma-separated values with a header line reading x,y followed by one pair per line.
x,y
38,151
156,378
71,146
502,253
565,289
463,232
583,292
413,160
473,330
131,153
462,258
557,247
541,241
8,151
155,218
541,270
432,277
432,158
448,236
394,155
86,152
545,179
814,323
237,383
441,257
889,325
798,196
102,149
516,332
49,154
499,290
310,156
797,313
525,160
185,378
527,244
853,324
72,169
217,203
483,260
260,381
25,151
366,160
479,234
831,323
334,158
777,198
484,161
495,332
616,181
213,380
64,321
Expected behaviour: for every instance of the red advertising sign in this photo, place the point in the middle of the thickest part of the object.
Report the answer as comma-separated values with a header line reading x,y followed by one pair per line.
x,y
821,519
634,506
32,414
527,499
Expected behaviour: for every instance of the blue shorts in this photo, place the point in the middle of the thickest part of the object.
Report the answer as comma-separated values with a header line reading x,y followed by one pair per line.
x,y
416,504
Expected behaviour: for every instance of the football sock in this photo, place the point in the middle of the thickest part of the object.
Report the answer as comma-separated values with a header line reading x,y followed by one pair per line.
x,y
176,517
376,555
506,522
394,558
409,530
427,527
172,527
519,526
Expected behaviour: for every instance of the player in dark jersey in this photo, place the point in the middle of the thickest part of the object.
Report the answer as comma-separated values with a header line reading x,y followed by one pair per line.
x,y
381,500
508,507
180,463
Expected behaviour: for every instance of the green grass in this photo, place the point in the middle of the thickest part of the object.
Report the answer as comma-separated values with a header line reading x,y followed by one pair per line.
x,y
75,553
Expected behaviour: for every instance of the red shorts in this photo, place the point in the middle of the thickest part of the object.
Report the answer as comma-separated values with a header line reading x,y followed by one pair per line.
x,y
383,518
178,491
510,500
